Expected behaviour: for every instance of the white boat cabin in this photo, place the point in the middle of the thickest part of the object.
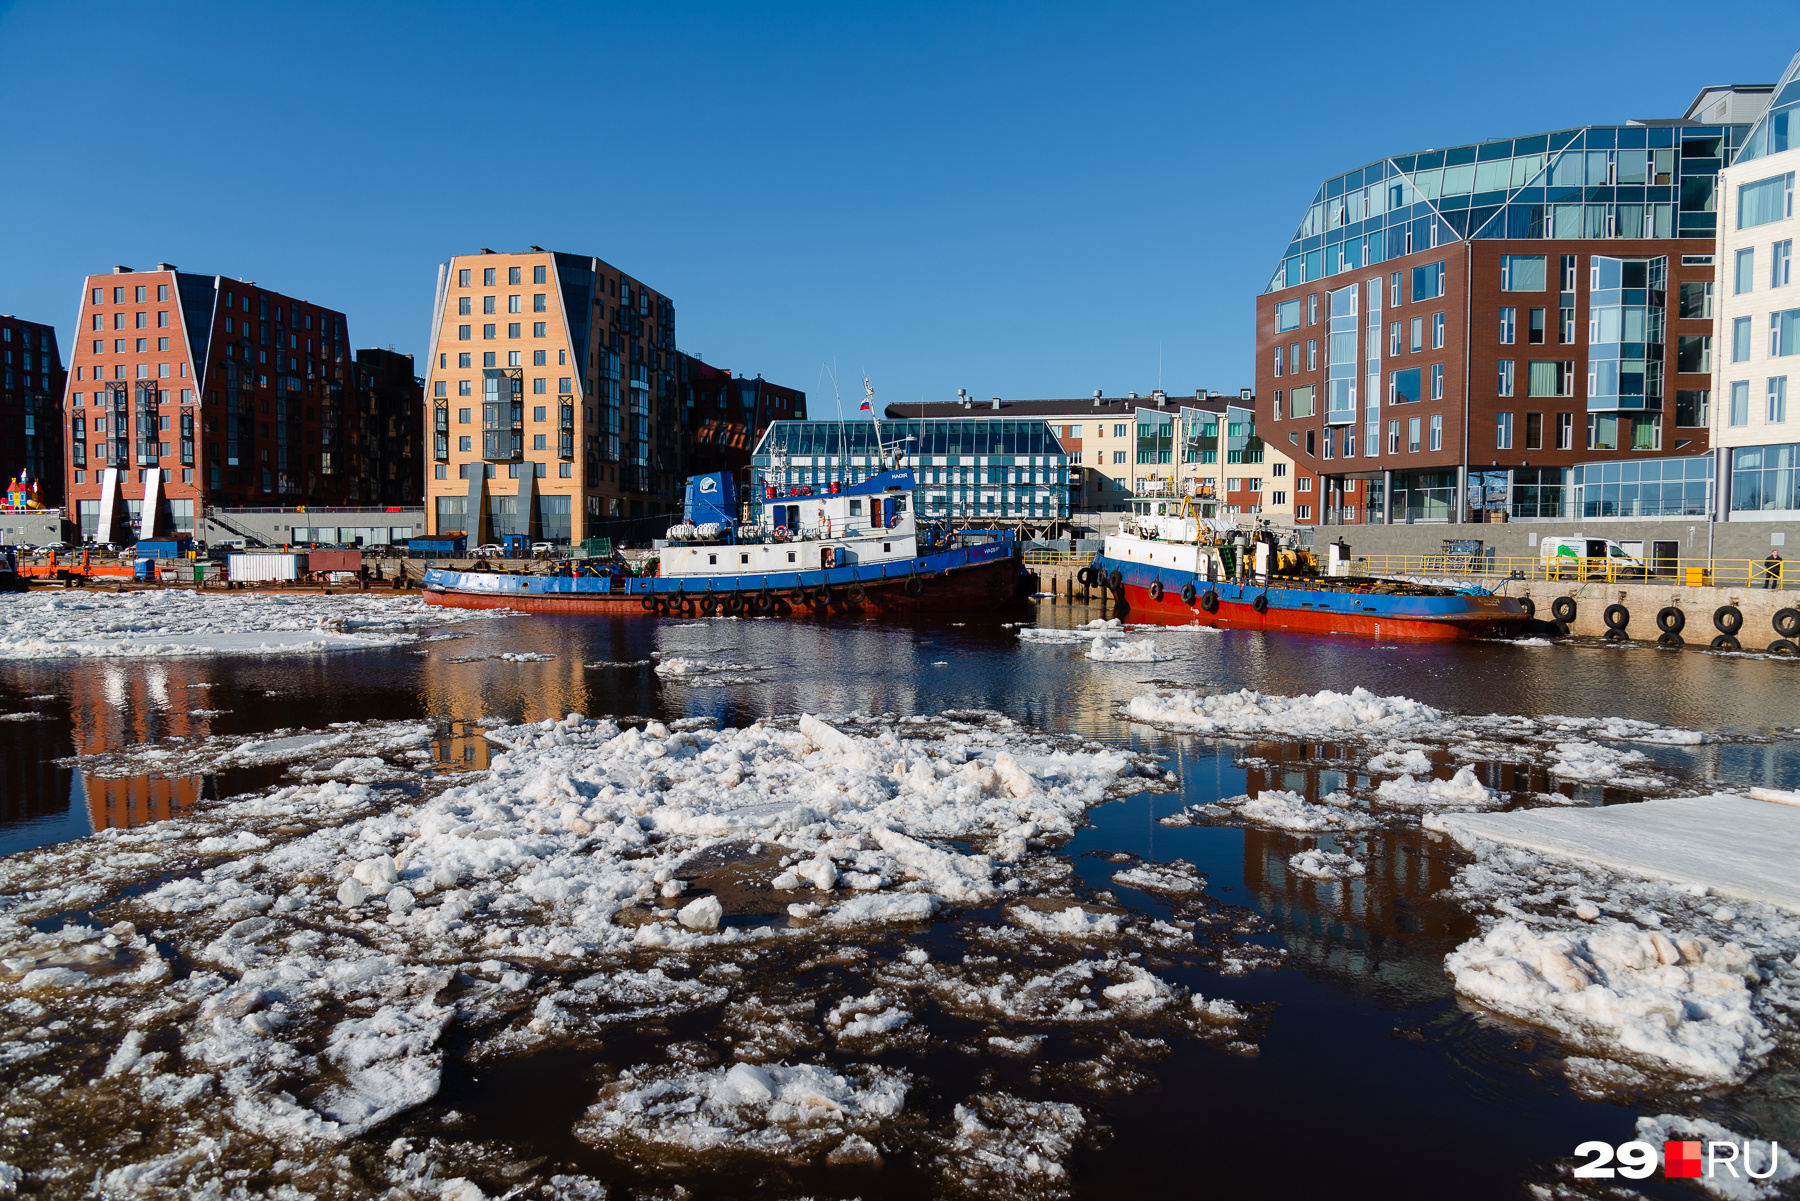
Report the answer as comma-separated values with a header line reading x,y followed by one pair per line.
x,y
798,529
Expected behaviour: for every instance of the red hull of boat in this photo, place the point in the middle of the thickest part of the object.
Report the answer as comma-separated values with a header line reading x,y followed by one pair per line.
x,y
1232,615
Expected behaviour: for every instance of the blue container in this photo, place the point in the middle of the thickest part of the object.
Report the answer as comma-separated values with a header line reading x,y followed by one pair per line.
x,y
164,548
438,548
143,569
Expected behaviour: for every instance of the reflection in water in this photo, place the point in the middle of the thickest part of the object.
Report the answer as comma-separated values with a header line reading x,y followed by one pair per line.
x,y
138,800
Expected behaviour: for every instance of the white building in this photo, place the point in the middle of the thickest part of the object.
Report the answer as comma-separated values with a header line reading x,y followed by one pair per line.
x,y
1755,418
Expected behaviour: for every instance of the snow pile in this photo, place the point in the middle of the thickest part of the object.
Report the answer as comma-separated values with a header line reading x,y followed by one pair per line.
x,y
182,622
1359,713
1411,761
1072,922
1325,865
767,1109
1649,977
1106,650
1290,811
1001,1145
1083,633
1750,1177
1461,791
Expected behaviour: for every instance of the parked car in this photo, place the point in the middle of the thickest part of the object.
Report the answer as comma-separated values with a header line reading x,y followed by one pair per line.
x,y
491,550
543,548
52,548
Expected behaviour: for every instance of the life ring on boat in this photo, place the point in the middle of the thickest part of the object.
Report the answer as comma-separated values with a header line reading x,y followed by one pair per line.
x,y
1156,590
1188,592
1260,604
1210,602
1728,619
856,592
915,586
1085,577
1563,609
781,533
1670,620
1116,581
1528,605
893,521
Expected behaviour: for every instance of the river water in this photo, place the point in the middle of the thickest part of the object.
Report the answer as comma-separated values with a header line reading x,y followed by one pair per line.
x,y
1368,1077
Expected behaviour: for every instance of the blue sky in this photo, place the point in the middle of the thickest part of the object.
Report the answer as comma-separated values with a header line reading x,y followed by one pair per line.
x,y
1018,199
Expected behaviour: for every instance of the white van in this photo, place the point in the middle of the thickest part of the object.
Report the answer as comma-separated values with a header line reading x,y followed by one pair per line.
x,y
1590,558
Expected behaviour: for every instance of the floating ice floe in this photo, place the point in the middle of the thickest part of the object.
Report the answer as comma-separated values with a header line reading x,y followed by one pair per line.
x,y
1290,811
182,622
1325,865
1461,791
1084,633
1107,650
1642,974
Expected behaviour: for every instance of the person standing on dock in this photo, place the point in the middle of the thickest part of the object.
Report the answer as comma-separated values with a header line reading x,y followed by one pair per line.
x,y
1772,570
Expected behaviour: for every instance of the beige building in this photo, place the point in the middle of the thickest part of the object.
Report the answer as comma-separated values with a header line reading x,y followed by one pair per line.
x,y
1755,401
1206,445
553,409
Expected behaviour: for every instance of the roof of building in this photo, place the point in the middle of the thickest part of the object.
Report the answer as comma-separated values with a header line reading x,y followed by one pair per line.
x,y
1770,134
1083,406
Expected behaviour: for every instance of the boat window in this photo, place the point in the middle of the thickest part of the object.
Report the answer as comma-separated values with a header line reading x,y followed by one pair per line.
x,y
885,548
712,560
790,556
743,558
856,508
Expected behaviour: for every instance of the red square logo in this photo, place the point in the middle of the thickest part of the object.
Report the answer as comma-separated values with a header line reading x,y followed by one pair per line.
x,y
1681,1158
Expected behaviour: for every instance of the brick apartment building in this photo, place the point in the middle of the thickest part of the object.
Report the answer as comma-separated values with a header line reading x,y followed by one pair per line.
x,y
192,391
1497,328
726,415
31,389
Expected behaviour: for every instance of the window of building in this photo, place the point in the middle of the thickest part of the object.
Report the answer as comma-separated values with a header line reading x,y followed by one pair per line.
x,y
537,274
1312,308
1534,329
1520,273
487,277
1777,410
1277,406
513,274
462,416
1412,434
1766,200
1740,339
1416,342
1503,431
1437,431
1692,408
1646,432
1312,354
1781,256
1693,353
1404,386
1118,457
1508,326
1740,403
1294,358
487,358
513,302
462,333
488,332
464,359
512,329
1278,358
1603,431
1394,290
465,388
1300,402
1506,377
1437,331
1534,431
464,306
1120,431
1393,438
1565,431
1744,278
1437,381
1287,315
1394,338
1784,333
462,278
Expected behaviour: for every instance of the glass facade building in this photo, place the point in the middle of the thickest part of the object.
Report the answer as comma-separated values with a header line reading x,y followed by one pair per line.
x,y
1004,469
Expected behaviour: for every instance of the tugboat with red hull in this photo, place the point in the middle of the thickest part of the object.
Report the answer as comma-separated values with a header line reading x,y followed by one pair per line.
x,y
857,547
1179,567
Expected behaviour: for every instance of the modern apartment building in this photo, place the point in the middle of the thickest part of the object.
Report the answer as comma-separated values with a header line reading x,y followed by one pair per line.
x,y
554,405
191,391
387,434
1755,415
1205,445
1510,327
31,389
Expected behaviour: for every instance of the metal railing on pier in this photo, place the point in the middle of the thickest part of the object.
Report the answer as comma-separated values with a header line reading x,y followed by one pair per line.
x,y
1681,571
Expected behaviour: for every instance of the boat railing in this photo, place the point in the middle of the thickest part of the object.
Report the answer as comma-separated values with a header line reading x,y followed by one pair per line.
x,y
1683,570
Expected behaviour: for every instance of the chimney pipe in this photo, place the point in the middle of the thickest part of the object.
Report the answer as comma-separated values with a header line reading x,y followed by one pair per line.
x,y
121,269
996,402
